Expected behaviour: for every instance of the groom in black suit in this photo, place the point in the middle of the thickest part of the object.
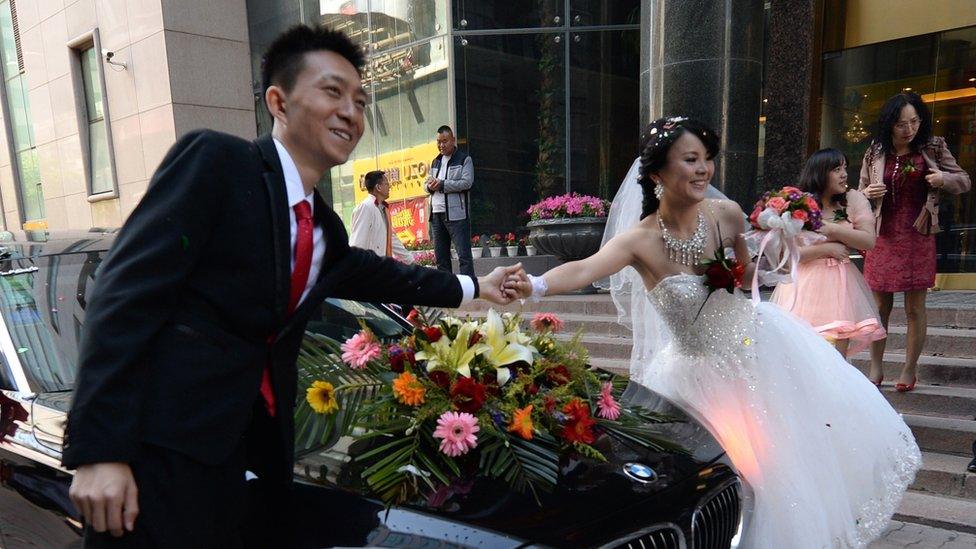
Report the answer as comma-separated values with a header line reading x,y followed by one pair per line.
x,y
187,364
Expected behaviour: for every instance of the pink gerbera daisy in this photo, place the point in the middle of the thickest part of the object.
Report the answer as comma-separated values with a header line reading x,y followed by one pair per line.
x,y
458,433
607,407
358,350
546,321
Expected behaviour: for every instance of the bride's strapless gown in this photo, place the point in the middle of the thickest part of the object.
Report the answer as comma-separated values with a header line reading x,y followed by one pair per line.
x,y
826,457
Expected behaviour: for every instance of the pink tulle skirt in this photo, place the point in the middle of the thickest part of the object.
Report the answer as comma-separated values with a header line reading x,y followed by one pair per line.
x,y
834,298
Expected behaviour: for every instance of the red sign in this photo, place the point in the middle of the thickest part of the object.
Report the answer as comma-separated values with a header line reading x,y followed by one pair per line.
x,y
409,219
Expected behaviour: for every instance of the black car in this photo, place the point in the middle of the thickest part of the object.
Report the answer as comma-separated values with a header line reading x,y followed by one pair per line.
x,y
638,498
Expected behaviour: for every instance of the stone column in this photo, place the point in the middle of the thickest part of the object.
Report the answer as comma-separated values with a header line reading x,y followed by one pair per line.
x,y
790,85
703,59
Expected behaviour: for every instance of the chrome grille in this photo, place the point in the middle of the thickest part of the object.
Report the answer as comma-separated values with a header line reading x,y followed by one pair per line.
x,y
661,536
716,519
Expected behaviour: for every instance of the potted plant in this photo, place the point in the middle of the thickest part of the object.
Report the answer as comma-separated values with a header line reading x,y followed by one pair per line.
x,y
495,245
529,248
568,226
425,258
476,246
511,244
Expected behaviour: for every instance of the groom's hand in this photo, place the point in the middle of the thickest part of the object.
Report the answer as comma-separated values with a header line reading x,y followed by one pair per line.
x,y
501,285
106,495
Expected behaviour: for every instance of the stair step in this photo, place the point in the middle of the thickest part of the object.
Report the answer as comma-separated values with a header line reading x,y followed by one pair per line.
x,y
946,475
938,511
945,435
934,370
933,399
939,341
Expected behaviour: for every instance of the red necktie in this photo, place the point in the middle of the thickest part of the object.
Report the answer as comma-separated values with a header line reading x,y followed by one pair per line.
x,y
299,279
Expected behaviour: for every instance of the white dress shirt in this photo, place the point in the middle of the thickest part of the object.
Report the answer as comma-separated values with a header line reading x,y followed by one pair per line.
x,y
296,193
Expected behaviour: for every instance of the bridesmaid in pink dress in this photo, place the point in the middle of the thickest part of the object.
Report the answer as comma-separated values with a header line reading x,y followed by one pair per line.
x,y
905,171
829,291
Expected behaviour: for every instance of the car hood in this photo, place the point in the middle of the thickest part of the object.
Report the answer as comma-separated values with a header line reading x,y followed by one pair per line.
x,y
589,495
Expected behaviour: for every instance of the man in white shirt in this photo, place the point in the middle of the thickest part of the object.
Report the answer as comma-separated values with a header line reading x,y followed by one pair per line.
x,y
372,228
449,184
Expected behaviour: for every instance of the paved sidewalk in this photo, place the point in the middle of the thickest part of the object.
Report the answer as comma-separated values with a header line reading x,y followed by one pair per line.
x,y
917,536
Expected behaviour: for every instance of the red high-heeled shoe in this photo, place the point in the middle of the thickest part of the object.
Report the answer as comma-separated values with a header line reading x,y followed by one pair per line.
x,y
905,388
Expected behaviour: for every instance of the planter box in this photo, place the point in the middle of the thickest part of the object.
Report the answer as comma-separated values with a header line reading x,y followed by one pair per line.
x,y
568,239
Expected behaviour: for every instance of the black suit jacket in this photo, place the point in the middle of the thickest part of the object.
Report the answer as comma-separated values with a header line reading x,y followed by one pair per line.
x,y
190,303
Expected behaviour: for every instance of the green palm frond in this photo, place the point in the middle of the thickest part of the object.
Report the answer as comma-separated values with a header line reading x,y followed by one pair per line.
x,y
526,465
319,359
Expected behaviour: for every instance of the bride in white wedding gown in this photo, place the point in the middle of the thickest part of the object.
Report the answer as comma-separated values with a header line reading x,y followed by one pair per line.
x,y
823,453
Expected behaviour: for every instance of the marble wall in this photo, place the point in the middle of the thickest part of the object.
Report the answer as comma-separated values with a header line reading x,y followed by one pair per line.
x,y
703,59
187,66
790,83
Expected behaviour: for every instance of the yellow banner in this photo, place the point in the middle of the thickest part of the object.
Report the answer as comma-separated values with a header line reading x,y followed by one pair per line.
x,y
406,170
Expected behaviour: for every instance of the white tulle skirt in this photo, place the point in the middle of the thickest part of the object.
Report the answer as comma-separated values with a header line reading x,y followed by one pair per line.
x,y
824,455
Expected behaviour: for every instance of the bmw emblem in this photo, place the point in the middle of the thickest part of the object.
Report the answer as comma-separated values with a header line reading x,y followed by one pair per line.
x,y
640,472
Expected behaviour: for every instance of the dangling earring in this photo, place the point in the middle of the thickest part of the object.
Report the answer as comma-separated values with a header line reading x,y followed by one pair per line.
x,y
658,191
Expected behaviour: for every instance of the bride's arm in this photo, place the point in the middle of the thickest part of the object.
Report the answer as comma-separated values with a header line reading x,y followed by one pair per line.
x,y
612,257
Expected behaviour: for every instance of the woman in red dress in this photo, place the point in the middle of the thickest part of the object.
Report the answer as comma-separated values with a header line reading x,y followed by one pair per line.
x,y
904,172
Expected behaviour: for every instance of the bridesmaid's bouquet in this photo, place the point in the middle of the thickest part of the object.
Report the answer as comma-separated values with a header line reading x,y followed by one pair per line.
x,y
791,206
782,222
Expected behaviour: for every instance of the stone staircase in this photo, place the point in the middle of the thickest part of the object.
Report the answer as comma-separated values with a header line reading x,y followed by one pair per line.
x,y
941,411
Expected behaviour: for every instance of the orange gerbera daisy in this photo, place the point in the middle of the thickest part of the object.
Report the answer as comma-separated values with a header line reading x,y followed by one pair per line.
x,y
408,389
522,422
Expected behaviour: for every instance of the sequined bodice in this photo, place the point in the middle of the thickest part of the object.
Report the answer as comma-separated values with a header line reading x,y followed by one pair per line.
x,y
723,327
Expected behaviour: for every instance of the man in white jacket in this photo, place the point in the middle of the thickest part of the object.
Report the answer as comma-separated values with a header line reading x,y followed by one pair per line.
x,y
371,227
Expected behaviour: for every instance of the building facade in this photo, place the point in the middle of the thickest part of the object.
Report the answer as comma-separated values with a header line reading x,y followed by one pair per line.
x,y
547,96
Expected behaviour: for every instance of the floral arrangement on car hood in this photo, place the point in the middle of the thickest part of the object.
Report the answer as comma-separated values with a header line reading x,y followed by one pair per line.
x,y
458,399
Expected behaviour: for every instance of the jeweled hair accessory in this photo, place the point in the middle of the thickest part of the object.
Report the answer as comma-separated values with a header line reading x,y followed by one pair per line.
x,y
661,131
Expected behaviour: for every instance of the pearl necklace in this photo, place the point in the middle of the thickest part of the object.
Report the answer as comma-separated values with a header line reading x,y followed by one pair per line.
x,y
685,252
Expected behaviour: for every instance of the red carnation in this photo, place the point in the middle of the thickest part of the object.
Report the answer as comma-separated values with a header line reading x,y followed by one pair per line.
x,y
558,375
413,317
440,378
400,357
433,333
468,395
579,424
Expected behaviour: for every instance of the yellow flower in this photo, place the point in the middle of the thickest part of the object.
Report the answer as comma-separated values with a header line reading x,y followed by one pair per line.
x,y
408,389
454,355
503,348
522,422
321,397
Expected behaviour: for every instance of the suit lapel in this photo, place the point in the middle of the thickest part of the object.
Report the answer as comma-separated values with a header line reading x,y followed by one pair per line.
x,y
274,183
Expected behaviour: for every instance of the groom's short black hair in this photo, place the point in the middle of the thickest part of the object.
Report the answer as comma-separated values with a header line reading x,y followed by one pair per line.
x,y
285,57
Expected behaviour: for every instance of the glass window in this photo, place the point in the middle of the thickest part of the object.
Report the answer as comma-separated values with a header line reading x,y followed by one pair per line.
x,y
339,320
604,97
30,185
510,92
18,109
481,14
604,12
22,303
857,82
99,161
8,49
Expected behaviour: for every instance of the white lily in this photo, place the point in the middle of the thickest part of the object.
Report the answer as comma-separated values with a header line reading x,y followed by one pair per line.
x,y
454,355
503,348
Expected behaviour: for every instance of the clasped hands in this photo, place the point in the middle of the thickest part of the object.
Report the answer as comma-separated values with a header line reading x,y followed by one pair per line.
x,y
504,284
